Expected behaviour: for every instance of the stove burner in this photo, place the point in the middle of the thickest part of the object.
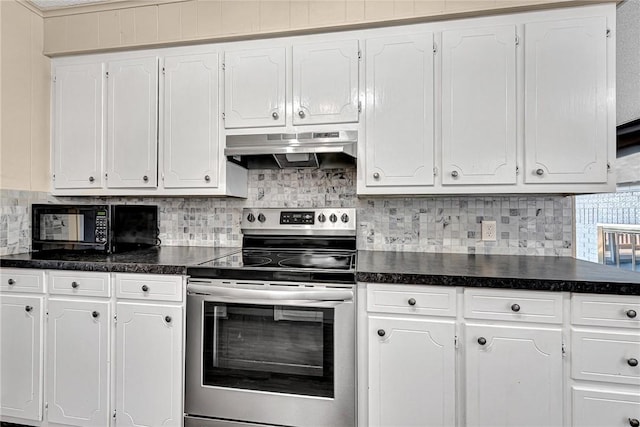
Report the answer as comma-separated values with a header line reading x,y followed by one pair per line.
x,y
254,261
329,262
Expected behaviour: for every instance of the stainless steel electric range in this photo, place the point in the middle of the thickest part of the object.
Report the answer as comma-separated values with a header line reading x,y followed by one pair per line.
x,y
271,329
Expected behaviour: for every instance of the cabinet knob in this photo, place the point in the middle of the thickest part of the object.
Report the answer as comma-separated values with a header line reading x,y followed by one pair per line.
x,y
631,314
91,179
412,301
28,308
454,174
167,319
11,282
275,115
632,362
95,314
207,178
482,340
381,332
301,114
539,172
145,178
515,307
75,285
633,422
145,288
376,175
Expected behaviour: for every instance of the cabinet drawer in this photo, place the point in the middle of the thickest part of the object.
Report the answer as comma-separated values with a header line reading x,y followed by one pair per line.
x,y
524,306
21,280
606,310
411,299
605,356
149,287
79,283
595,408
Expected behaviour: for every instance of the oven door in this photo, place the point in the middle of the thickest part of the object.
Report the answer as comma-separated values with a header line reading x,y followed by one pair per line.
x,y
275,355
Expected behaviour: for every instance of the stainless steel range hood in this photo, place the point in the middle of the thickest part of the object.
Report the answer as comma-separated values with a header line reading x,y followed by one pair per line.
x,y
324,150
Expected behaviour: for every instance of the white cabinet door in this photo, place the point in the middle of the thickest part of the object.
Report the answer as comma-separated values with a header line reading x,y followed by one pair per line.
x,y
599,408
21,358
508,368
254,83
411,372
479,106
78,102
325,83
148,365
78,337
191,118
566,101
132,121
399,140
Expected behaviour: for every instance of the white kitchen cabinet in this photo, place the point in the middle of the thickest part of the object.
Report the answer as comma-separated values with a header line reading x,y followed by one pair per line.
x,y
325,82
191,121
479,106
399,140
132,122
78,361
513,375
598,408
21,326
255,87
568,129
78,137
411,372
149,362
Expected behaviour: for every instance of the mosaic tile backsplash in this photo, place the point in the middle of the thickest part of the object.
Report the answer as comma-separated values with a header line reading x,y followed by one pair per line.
x,y
593,209
526,225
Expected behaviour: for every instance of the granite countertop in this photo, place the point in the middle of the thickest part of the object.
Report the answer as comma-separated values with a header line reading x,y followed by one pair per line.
x,y
156,260
495,271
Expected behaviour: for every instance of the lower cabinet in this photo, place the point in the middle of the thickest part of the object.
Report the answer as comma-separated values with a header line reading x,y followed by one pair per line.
x,y
21,325
78,377
148,364
411,372
513,376
597,408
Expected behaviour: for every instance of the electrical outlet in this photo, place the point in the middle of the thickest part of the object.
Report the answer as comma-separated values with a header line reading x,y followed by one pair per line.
x,y
489,231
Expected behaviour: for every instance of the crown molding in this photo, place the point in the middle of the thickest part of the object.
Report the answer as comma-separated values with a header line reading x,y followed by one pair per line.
x,y
101,7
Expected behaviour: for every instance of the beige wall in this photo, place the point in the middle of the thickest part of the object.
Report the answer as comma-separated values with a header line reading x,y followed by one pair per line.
x,y
24,100
126,24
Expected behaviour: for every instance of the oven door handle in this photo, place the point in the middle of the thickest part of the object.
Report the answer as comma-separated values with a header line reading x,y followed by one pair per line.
x,y
249,294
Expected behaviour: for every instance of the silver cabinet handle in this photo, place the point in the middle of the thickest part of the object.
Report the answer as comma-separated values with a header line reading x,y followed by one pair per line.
x,y
632,362
167,319
539,172
412,301
75,285
95,314
515,308
145,178
454,174
482,340
301,114
91,179
207,178
11,282
275,115
381,332
28,309
145,288
631,314
376,175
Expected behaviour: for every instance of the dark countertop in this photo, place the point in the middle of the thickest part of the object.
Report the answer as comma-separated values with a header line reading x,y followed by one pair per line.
x,y
495,271
157,260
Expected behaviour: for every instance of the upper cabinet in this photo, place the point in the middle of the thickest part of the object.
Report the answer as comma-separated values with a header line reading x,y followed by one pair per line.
x,y
255,87
566,93
314,83
77,125
479,106
399,140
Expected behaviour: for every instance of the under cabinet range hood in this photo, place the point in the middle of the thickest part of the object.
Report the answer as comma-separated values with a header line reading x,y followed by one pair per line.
x,y
325,150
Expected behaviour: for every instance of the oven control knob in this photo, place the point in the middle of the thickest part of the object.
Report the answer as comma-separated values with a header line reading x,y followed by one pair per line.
x,y
261,218
322,218
251,217
344,218
333,218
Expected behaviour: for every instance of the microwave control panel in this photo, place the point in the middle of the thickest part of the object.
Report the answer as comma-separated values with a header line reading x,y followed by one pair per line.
x,y
101,226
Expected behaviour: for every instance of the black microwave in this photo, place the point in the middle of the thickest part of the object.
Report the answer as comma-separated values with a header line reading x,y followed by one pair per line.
x,y
102,228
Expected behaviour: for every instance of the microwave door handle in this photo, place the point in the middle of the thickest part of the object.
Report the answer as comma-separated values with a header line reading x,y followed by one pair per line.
x,y
271,295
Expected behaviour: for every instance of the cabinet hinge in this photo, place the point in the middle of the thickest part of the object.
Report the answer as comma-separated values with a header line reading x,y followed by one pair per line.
x,y
435,171
517,170
106,74
46,406
114,414
608,166
359,55
163,70
224,66
359,106
435,48
54,176
106,176
162,176
455,341
608,32
55,79
223,116
517,40
564,350
115,320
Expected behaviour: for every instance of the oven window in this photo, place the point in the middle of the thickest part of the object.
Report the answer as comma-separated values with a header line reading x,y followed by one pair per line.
x,y
279,349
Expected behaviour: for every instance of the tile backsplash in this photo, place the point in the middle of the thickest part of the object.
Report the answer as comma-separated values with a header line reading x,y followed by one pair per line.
x,y
526,225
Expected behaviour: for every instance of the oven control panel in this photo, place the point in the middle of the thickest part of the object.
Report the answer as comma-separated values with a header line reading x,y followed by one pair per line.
x,y
282,221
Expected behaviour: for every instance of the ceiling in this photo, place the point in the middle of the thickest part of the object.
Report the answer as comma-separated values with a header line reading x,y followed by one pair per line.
x,y
58,4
